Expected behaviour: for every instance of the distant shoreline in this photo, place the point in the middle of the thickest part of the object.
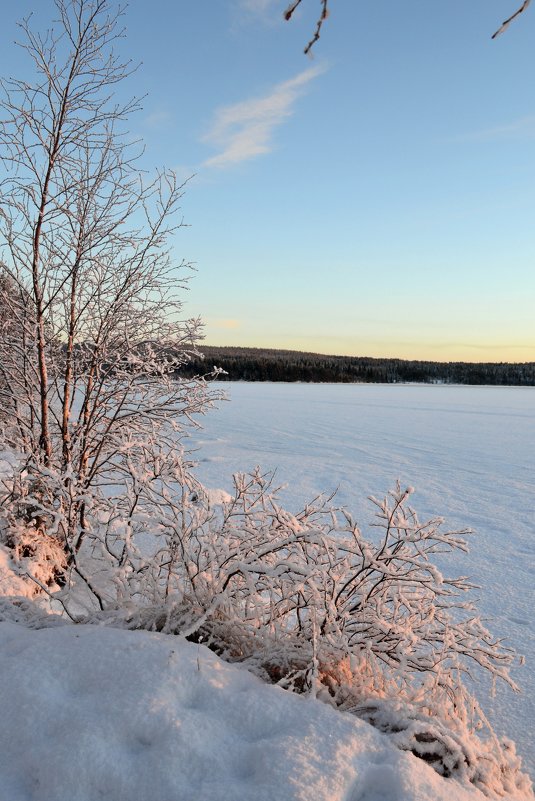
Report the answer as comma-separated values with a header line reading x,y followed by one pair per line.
x,y
269,364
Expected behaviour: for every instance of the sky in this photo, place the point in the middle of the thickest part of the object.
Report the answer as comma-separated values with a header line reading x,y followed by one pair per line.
x,y
376,199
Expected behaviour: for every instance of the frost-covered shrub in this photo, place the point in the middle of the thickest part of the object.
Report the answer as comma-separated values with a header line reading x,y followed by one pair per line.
x,y
307,601
368,623
450,747
27,529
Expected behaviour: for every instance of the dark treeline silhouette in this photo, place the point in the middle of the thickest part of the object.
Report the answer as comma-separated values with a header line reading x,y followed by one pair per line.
x,y
259,364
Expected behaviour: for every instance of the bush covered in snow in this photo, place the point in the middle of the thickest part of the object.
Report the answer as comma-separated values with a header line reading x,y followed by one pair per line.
x,y
368,624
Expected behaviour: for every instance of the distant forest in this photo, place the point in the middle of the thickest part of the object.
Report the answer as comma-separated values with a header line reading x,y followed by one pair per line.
x,y
259,364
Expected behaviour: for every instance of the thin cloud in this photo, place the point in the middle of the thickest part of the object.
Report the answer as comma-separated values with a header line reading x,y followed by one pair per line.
x,y
245,130
496,347
227,325
265,12
522,128
257,7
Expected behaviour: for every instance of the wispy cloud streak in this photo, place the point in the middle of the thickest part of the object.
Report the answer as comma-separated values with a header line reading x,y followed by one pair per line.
x,y
522,128
245,130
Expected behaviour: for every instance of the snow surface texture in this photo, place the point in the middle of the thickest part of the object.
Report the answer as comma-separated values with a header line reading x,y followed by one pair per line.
x,y
93,713
469,451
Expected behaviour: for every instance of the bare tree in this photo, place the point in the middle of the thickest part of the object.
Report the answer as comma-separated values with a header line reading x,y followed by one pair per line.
x,y
89,368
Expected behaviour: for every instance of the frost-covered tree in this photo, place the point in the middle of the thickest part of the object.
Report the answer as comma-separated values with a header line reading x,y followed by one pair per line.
x,y
91,332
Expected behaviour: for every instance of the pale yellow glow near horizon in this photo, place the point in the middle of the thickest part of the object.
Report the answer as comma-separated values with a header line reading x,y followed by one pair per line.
x,y
512,352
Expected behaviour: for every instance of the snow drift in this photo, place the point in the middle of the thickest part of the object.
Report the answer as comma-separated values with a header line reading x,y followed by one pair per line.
x,y
91,712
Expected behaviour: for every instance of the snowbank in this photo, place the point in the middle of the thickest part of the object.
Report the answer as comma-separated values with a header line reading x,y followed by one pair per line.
x,y
93,713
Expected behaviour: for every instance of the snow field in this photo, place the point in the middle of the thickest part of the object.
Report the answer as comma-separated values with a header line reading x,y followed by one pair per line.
x,y
94,713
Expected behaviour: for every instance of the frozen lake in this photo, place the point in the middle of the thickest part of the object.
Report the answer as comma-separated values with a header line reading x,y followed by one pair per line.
x,y
468,451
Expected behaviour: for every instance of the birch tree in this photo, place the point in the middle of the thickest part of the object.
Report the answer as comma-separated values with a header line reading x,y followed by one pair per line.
x,y
91,334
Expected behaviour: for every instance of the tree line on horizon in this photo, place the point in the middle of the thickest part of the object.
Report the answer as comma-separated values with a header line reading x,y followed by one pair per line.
x,y
270,364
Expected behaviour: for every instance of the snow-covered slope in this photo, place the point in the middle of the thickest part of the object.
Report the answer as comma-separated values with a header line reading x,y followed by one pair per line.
x,y
91,713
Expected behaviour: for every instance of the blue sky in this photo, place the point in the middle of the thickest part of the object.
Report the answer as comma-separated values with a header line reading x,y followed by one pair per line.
x,y
377,199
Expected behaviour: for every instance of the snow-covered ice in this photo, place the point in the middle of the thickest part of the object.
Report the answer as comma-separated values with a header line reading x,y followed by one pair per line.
x,y
92,713
469,451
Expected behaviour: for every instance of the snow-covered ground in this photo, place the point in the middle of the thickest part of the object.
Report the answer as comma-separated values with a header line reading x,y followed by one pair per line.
x,y
469,451
90,713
